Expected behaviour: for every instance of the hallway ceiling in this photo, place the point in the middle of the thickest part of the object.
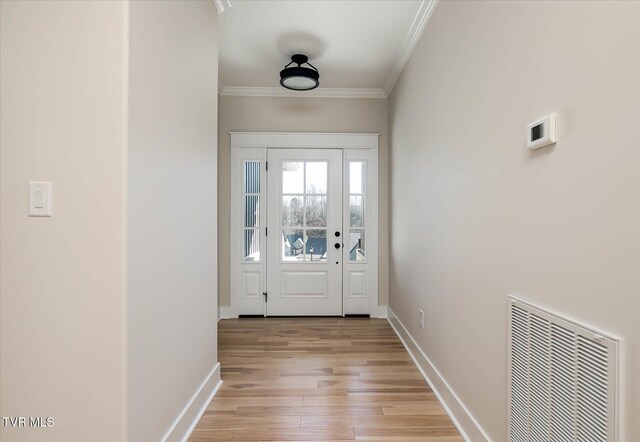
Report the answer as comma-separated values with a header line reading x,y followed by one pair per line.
x,y
358,46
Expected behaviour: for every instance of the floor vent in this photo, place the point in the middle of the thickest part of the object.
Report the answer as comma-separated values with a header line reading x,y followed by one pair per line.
x,y
564,383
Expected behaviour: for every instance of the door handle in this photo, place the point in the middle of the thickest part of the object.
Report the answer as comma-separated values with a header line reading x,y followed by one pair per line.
x,y
337,245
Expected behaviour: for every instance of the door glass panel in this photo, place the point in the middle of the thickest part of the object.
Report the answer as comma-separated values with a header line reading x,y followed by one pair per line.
x,y
252,177
304,211
356,245
251,214
292,177
356,177
292,211
316,211
316,177
316,245
357,196
293,245
251,244
356,211
251,211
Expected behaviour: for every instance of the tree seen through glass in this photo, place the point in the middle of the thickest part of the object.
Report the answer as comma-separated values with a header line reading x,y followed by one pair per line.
x,y
304,210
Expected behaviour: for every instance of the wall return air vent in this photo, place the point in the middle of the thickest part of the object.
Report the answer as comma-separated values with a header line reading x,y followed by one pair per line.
x,y
564,380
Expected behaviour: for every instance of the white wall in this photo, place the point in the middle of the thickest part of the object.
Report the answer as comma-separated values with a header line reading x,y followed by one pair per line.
x,y
479,216
172,303
285,114
62,98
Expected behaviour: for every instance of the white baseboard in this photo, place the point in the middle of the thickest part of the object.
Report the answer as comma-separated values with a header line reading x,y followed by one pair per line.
x,y
467,425
224,312
187,420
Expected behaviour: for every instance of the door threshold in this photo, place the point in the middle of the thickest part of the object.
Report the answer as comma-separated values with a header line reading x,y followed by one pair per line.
x,y
301,316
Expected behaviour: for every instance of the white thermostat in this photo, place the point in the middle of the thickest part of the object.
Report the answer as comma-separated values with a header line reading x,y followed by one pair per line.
x,y
542,132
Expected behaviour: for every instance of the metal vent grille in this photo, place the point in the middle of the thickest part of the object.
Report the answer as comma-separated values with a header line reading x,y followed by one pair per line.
x,y
563,379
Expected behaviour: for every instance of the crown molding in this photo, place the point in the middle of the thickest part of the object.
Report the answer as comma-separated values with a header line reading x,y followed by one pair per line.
x,y
413,36
425,10
239,91
222,5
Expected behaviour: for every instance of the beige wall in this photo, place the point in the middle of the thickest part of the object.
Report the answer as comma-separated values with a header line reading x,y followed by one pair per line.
x,y
486,217
171,255
62,96
270,114
108,308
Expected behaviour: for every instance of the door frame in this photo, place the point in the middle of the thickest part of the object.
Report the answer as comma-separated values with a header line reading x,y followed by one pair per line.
x,y
248,279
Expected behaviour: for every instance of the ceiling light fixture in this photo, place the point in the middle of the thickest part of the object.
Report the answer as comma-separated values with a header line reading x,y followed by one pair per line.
x,y
298,78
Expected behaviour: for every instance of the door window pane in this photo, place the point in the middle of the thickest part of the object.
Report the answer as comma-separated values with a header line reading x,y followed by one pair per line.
x,y
316,211
251,211
316,245
293,245
251,244
304,210
357,206
292,177
356,211
292,211
316,177
356,177
356,245
252,177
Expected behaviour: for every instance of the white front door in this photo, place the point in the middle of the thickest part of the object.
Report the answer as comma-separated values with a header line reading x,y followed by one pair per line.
x,y
304,241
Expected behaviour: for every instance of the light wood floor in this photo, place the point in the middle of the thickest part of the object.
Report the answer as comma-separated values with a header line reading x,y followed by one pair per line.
x,y
319,379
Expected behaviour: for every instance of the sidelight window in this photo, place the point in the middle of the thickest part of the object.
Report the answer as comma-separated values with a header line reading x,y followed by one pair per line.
x,y
357,205
251,211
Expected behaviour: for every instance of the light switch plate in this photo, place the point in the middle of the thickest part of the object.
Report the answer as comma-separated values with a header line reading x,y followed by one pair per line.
x,y
40,198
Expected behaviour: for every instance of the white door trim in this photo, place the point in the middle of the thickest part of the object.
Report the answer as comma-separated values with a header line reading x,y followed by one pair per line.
x,y
304,140
252,146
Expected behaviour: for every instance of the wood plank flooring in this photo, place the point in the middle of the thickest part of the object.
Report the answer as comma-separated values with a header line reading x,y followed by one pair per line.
x,y
324,379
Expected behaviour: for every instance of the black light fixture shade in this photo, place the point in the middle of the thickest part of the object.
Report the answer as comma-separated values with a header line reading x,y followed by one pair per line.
x,y
298,78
